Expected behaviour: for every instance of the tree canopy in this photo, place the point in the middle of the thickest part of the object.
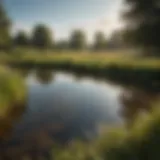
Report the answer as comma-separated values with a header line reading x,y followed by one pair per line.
x,y
4,28
100,41
143,19
42,36
78,40
21,39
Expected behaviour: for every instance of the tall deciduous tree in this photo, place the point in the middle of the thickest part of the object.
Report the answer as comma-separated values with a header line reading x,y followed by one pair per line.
x,y
4,28
116,41
42,36
21,39
143,19
78,40
100,41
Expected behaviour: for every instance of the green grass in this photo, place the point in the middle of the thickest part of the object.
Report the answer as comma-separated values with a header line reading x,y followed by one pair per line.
x,y
12,91
118,58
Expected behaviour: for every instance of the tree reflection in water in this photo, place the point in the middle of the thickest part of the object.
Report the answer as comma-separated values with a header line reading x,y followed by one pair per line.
x,y
136,102
24,72
44,76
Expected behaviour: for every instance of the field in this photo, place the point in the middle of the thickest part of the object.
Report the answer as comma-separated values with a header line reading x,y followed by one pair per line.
x,y
118,58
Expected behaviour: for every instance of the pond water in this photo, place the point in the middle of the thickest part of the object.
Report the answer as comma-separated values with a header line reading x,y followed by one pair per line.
x,y
61,107
64,101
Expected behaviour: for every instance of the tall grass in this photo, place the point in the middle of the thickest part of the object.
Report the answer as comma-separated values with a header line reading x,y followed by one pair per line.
x,y
12,90
12,100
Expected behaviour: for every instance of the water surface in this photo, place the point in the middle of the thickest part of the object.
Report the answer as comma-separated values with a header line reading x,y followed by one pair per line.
x,y
62,106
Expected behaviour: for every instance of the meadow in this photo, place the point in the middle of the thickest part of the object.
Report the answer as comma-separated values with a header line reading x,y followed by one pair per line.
x,y
121,58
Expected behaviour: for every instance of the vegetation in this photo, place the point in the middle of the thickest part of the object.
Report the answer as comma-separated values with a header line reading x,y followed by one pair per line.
x,y
12,100
21,39
42,37
78,40
4,29
100,41
143,20
12,91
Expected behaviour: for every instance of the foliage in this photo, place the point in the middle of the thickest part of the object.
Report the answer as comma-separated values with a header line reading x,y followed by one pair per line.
x,y
78,40
117,40
100,41
143,20
42,36
21,39
4,29
76,150
141,142
12,91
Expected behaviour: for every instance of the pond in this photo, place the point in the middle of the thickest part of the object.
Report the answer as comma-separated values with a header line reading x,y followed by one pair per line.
x,y
61,107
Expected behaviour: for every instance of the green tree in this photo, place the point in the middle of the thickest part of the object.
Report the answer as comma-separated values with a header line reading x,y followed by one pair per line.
x,y
42,37
143,19
21,39
100,41
78,40
116,41
4,28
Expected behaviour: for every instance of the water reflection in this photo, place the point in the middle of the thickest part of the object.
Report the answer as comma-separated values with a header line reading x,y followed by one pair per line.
x,y
44,76
136,102
23,72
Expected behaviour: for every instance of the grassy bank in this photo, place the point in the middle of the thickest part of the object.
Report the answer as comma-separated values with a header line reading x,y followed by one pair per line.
x,y
12,90
115,66
12,99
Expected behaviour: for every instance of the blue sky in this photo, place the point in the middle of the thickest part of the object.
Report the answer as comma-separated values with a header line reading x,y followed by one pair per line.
x,y
65,15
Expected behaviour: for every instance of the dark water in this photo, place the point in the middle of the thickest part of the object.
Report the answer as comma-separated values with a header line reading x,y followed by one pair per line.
x,y
61,107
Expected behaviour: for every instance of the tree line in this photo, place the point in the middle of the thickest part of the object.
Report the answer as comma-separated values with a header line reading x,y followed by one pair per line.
x,y
42,37
142,31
